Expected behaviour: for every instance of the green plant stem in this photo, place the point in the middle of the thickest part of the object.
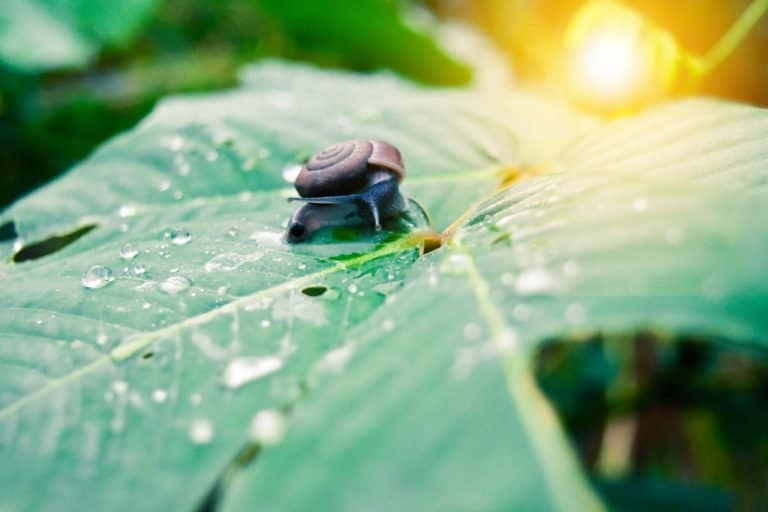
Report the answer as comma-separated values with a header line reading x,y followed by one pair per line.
x,y
735,35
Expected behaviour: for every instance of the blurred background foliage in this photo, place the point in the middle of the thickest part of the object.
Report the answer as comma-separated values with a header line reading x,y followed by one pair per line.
x,y
75,72
657,423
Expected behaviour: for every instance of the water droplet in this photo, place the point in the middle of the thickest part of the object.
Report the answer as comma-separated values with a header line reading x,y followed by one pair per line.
x,y
388,325
179,236
290,172
120,387
164,185
160,396
146,305
335,360
195,399
267,427
264,323
232,232
182,165
242,370
352,288
387,288
212,155
201,431
128,251
138,270
176,143
534,281
175,285
229,261
126,210
98,276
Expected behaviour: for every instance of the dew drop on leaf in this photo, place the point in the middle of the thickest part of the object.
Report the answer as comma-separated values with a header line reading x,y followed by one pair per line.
x,y
126,210
120,387
201,431
98,276
179,236
534,281
242,370
175,285
290,172
138,270
128,251
267,427
159,395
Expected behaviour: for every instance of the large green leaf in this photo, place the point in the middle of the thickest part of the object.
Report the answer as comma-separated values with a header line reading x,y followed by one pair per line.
x,y
406,384
37,35
421,420
124,387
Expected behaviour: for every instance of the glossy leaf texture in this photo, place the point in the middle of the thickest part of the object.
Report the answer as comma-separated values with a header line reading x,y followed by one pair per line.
x,y
136,359
40,35
651,222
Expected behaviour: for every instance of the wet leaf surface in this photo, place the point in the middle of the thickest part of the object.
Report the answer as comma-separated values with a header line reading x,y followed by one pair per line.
x,y
149,352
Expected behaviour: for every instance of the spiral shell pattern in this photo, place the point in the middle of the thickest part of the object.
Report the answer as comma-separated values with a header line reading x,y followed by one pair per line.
x,y
343,168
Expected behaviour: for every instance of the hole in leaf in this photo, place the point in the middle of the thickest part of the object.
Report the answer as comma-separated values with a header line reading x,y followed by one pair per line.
x,y
8,232
314,291
50,245
664,421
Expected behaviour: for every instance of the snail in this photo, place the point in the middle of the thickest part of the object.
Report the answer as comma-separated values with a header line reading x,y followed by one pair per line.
x,y
354,182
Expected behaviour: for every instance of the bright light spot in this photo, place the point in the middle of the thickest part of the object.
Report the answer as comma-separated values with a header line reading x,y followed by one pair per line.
x,y
608,64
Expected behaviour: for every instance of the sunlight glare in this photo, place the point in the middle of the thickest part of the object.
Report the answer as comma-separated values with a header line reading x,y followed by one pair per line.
x,y
609,63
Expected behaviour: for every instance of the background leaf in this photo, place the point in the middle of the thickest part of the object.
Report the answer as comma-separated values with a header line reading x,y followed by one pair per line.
x,y
38,35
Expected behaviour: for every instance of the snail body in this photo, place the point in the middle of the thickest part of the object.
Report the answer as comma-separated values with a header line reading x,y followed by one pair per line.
x,y
355,182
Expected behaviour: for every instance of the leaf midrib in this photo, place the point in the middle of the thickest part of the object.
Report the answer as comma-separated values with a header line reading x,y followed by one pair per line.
x,y
131,346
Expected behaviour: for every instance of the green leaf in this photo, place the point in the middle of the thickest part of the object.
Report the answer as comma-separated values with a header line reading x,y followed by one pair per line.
x,y
364,35
39,35
116,396
404,381
428,418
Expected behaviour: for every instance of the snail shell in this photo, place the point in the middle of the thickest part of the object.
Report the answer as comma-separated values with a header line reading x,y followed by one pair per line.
x,y
350,183
346,167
